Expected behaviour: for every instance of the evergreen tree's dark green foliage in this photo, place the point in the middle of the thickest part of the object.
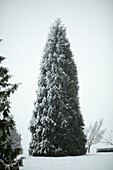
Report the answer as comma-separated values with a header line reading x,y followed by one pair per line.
x,y
7,125
57,124
16,141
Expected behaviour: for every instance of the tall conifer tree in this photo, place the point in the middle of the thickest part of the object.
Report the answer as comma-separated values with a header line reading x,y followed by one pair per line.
x,y
8,133
57,124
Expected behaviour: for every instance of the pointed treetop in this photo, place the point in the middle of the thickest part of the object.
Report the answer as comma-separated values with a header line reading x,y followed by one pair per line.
x,y
58,21
57,24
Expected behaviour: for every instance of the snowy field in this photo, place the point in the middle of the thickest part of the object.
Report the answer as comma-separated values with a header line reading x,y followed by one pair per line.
x,y
101,161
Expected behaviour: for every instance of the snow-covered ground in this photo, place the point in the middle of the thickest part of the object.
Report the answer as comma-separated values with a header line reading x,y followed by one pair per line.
x,y
100,161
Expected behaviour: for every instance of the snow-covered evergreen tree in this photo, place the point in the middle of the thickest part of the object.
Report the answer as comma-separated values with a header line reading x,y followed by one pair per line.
x,y
8,152
57,124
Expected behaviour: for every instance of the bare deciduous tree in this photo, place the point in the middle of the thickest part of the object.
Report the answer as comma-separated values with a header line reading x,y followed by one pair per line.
x,y
94,133
108,140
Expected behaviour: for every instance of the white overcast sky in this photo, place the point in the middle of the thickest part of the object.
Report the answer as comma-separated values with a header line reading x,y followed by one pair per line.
x,y
24,28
